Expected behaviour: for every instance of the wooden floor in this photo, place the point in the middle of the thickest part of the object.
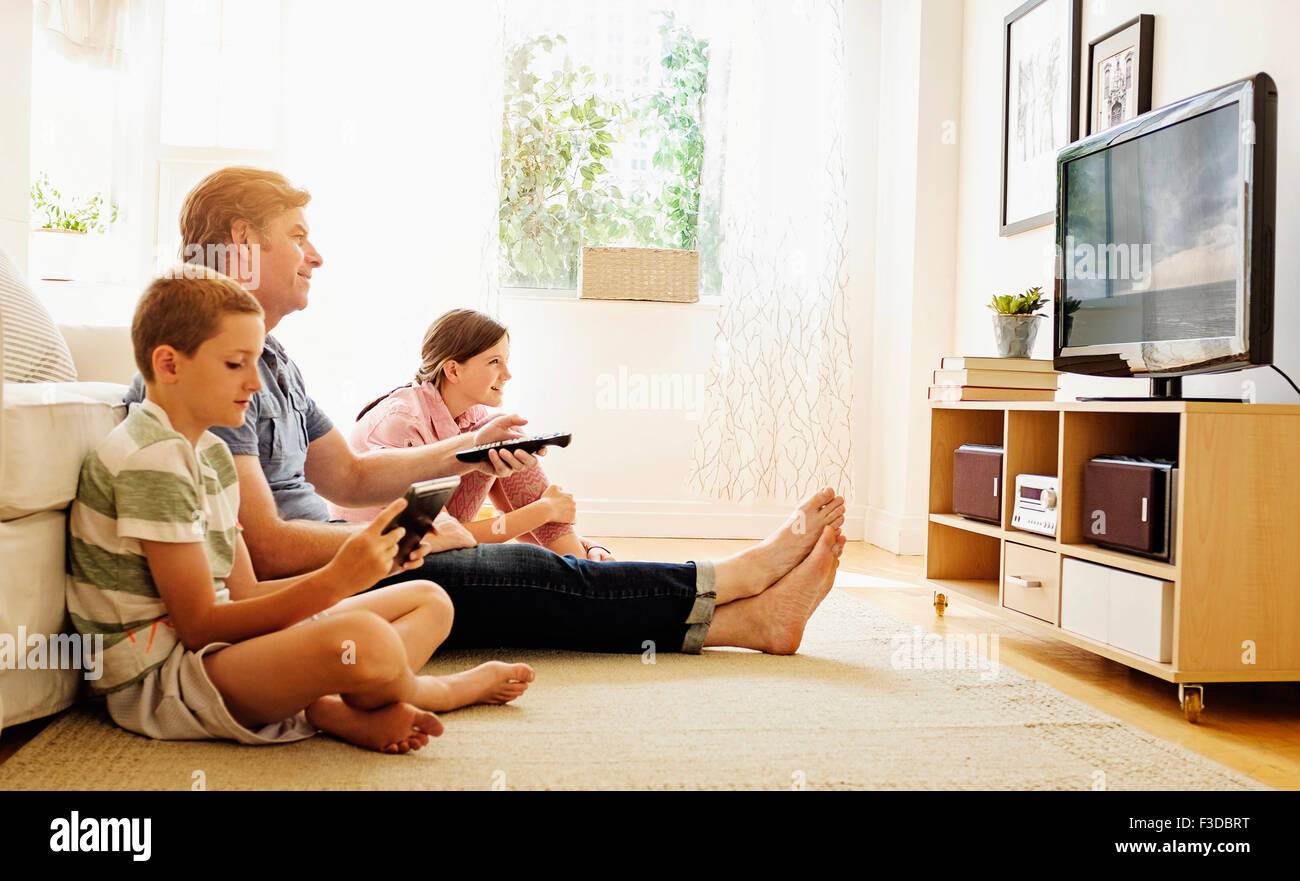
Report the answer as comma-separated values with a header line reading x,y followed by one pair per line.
x,y
1254,729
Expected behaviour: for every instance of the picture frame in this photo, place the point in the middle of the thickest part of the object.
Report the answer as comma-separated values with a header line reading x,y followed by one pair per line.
x,y
1119,74
1040,108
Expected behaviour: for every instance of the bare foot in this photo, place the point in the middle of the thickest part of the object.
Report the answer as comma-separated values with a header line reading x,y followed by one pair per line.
x,y
774,620
495,682
396,728
753,570
837,550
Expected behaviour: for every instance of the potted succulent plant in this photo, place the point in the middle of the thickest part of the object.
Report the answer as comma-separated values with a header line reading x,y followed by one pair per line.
x,y
64,223
1072,305
1015,322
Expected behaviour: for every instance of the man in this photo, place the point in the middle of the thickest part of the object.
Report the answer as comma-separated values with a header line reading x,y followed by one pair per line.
x,y
288,454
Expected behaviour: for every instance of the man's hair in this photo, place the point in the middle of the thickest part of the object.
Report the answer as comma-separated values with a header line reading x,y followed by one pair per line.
x,y
184,310
236,193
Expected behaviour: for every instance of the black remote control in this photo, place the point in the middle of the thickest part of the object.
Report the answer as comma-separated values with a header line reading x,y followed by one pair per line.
x,y
424,502
527,444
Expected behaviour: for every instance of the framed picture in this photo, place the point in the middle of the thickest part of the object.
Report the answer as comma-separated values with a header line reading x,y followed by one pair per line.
x,y
1040,107
1119,74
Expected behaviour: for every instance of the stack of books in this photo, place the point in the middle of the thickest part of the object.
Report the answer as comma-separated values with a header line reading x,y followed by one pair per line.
x,y
960,378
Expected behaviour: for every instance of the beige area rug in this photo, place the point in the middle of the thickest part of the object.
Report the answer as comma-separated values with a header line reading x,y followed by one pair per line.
x,y
851,711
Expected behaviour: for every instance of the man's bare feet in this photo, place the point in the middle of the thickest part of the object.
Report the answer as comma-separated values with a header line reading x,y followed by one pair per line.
x,y
774,620
495,682
396,728
755,569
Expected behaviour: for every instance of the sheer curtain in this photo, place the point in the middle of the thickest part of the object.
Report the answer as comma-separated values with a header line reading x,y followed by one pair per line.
x,y
780,388
392,119
94,31
94,73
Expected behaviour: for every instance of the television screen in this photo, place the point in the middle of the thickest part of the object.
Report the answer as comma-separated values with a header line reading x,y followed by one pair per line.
x,y
1156,228
1159,218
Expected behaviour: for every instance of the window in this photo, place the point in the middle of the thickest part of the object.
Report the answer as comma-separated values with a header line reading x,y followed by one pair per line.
x,y
602,141
220,98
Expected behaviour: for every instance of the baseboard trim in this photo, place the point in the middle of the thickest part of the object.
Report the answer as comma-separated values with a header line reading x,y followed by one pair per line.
x,y
655,518
896,533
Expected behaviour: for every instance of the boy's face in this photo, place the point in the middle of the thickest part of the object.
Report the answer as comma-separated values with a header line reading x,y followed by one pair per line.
x,y
221,378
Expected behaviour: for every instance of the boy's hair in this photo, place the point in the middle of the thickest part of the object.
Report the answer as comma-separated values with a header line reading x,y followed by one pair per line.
x,y
236,193
184,310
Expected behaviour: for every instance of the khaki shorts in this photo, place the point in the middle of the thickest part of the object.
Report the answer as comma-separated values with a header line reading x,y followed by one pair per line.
x,y
178,701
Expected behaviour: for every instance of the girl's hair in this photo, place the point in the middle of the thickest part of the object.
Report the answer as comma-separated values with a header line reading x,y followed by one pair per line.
x,y
457,336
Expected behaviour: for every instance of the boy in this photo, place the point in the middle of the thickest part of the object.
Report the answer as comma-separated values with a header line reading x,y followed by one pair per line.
x,y
194,645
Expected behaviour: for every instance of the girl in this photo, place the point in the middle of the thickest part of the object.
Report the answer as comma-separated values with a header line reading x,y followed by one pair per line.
x,y
461,375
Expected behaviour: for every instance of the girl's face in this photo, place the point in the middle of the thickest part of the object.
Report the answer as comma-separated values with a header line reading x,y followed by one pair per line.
x,y
483,377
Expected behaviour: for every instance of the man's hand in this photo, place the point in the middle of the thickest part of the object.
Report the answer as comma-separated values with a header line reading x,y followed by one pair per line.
x,y
447,534
367,556
503,463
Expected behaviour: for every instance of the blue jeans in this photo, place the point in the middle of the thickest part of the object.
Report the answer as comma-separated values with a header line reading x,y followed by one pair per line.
x,y
524,596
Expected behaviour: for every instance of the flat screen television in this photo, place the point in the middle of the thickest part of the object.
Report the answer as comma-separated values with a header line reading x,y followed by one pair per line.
x,y
1164,235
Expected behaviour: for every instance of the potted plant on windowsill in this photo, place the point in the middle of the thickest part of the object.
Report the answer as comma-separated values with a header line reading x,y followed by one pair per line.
x,y
1015,322
58,241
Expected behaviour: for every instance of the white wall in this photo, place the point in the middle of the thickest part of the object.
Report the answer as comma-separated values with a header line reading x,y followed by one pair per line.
x,y
1199,44
862,44
920,62
15,125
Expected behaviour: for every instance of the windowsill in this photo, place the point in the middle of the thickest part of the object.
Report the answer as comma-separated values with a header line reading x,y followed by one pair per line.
x,y
708,301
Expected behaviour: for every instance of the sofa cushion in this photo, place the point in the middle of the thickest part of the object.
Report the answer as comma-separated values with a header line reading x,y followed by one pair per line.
x,y
33,596
101,354
33,349
46,430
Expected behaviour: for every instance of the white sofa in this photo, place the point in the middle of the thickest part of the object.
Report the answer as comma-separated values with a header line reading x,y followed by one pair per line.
x,y
46,429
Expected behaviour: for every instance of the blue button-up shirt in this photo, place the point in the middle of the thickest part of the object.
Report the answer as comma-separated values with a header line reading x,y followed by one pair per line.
x,y
280,423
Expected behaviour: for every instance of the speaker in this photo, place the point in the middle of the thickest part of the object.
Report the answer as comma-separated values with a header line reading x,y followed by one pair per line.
x,y
977,482
1128,504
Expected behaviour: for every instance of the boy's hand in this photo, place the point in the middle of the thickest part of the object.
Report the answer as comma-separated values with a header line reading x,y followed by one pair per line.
x,y
367,556
503,463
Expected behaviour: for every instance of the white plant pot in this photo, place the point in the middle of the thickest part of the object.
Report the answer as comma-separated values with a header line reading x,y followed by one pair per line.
x,y
57,254
1014,334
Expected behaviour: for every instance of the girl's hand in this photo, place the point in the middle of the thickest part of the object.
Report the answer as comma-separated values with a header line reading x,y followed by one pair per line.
x,y
561,506
596,552
367,556
448,534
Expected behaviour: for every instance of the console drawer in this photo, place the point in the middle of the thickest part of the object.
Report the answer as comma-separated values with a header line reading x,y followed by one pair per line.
x,y
1031,582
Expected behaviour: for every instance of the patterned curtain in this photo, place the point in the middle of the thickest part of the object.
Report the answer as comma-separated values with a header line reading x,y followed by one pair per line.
x,y
780,389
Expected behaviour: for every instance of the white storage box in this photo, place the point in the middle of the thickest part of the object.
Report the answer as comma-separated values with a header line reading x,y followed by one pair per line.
x,y
1129,611
1142,615
1085,599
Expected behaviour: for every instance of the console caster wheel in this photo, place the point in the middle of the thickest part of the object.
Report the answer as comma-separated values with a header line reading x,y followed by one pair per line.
x,y
940,603
1192,698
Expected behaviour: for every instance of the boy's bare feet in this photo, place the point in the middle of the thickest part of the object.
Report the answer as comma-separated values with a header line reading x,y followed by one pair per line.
x,y
396,728
495,682
774,620
755,569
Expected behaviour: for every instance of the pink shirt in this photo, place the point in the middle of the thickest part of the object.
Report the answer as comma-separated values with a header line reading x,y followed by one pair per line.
x,y
415,415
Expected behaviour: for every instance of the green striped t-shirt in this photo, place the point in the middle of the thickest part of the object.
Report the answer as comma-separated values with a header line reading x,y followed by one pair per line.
x,y
144,481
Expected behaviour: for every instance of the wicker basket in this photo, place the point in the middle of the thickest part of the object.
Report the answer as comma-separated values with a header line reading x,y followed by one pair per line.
x,y
639,274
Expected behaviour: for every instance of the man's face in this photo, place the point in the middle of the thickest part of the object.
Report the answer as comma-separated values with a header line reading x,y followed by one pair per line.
x,y
288,259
